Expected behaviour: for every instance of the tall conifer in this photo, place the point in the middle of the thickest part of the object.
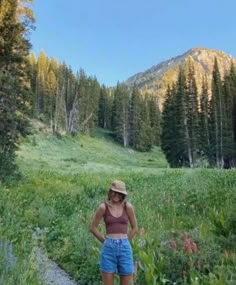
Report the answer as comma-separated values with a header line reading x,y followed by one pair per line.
x,y
155,118
120,114
14,81
168,134
216,116
204,121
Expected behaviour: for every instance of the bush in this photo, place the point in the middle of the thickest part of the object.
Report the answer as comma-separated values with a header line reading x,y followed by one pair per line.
x,y
8,168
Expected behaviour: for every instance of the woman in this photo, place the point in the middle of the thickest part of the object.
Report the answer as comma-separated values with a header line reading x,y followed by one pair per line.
x,y
116,253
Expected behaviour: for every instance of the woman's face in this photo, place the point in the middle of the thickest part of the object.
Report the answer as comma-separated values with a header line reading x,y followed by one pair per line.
x,y
116,196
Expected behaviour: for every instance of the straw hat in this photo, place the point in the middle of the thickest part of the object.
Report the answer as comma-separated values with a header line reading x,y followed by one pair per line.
x,y
118,186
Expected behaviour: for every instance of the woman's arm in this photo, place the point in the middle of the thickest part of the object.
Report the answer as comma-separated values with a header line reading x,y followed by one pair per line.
x,y
132,220
96,219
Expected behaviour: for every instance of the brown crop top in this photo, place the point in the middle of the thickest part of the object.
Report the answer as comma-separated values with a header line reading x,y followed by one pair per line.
x,y
116,225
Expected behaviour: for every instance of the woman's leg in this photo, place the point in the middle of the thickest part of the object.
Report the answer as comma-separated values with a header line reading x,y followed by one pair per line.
x,y
126,279
108,278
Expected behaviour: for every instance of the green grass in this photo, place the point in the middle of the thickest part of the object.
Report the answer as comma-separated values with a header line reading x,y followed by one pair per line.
x,y
84,153
65,180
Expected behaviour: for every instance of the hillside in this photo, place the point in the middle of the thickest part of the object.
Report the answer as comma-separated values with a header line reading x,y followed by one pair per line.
x,y
156,79
65,179
83,153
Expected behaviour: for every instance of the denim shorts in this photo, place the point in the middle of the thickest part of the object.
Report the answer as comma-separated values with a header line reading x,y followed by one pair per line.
x,y
117,256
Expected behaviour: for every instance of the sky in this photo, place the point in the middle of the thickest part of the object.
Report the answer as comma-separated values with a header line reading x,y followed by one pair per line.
x,y
115,39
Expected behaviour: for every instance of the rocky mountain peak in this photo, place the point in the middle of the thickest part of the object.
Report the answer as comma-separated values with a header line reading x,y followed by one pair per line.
x,y
156,79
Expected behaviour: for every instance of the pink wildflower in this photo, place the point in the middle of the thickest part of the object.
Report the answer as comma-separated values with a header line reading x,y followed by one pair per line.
x,y
194,247
187,246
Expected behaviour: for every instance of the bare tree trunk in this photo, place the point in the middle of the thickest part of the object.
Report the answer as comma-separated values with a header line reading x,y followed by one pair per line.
x,y
221,135
190,158
125,127
73,115
82,125
58,108
216,138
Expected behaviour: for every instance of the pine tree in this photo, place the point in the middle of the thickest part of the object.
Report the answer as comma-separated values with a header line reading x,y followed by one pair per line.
x,y
216,116
134,117
155,118
204,121
183,145
14,90
120,114
229,145
102,111
169,128
51,88
192,116
41,103
144,137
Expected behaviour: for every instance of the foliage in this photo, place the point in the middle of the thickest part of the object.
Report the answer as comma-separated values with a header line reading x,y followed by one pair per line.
x,y
14,47
168,203
191,134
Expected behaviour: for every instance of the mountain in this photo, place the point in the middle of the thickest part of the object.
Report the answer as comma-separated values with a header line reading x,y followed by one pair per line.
x,y
156,79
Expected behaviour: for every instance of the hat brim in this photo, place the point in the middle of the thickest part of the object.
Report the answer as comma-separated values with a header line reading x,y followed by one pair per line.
x,y
117,190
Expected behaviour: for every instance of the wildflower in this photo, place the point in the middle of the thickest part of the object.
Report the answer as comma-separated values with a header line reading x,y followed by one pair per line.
x,y
194,247
173,244
187,246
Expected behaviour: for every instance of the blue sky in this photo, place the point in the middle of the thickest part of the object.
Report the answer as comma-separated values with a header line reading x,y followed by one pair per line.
x,y
115,39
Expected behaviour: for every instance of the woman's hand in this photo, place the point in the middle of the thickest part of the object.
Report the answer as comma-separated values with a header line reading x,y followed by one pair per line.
x,y
132,220
96,219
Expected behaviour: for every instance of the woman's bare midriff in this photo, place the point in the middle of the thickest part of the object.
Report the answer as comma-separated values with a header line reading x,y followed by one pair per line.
x,y
117,235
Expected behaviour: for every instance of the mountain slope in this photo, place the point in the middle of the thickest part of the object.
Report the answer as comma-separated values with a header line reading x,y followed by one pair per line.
x,y
99,153
156,79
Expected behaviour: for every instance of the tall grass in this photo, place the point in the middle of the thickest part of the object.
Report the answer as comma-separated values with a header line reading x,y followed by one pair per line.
x,y
64,182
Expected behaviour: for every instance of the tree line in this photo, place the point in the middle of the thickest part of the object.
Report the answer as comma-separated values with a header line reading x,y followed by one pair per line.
x,y
200,127
78,103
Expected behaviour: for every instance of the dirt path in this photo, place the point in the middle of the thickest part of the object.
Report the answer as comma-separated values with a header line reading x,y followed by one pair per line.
x,y
50,273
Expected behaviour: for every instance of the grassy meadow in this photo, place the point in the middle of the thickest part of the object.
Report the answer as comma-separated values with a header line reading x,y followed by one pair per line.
x,y
187,218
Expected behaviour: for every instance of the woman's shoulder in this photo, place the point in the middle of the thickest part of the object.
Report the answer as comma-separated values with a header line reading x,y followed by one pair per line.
x,y
129,206
102,207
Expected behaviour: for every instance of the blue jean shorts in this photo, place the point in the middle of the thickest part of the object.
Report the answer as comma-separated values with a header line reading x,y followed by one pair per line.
x,y
117,256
